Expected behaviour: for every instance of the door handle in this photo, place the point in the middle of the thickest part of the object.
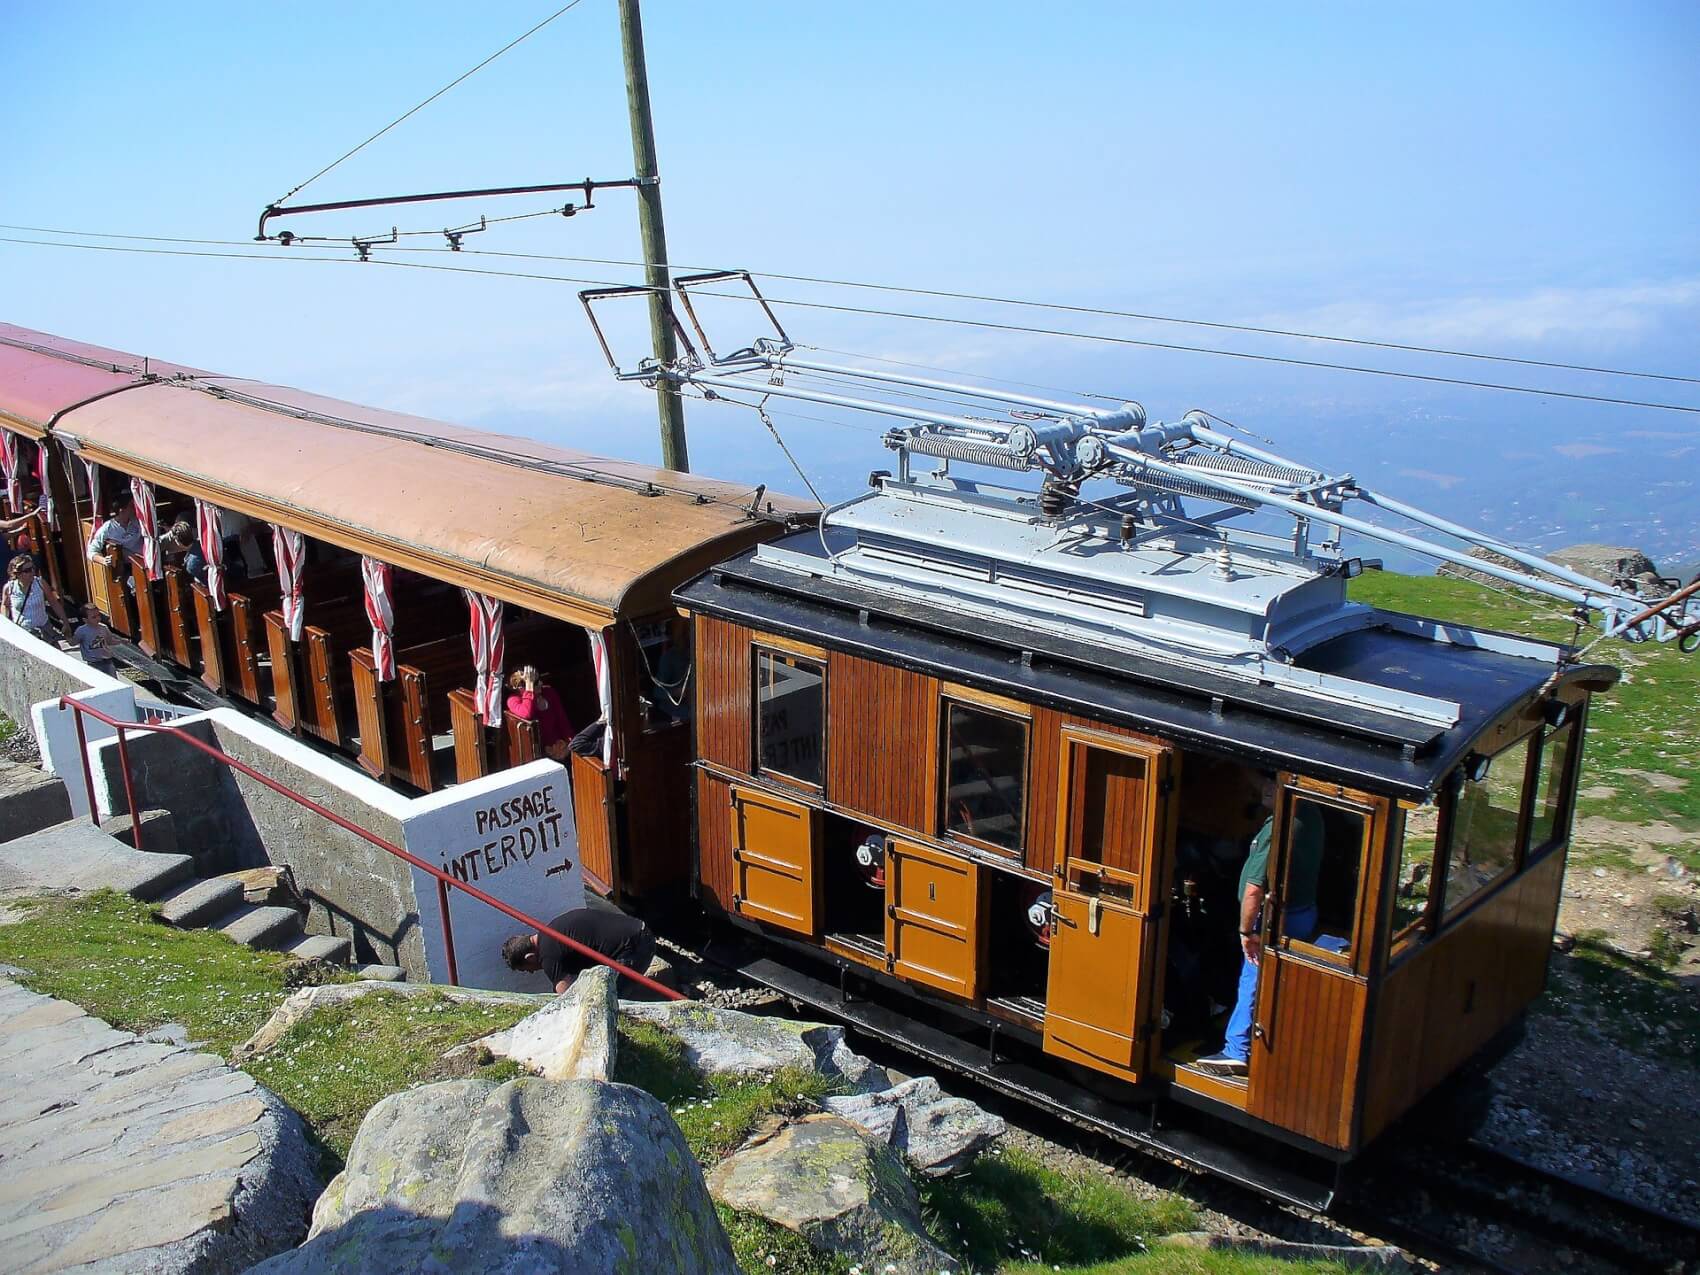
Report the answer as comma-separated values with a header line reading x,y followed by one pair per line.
x,y
1094,910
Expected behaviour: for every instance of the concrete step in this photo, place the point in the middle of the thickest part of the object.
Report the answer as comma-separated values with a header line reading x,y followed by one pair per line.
x,y
159,831
200,901
261,926
30,800
381,973
75,855
321,947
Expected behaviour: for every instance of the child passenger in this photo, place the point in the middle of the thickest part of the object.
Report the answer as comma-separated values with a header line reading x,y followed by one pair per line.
x,y
95,641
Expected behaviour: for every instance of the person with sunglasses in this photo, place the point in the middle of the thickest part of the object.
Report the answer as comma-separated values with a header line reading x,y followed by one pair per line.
x,y
27,599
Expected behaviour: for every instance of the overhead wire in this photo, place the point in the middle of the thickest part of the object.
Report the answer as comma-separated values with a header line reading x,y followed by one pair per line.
x,y
915,316
412,111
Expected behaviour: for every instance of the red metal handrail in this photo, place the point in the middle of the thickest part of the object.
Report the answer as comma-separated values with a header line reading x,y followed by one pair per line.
x,y
444,880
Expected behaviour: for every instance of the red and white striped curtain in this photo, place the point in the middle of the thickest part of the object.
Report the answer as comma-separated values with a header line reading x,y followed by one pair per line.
x,y
290,550
97,506
604,692
147,517
378,579
209,520
489,650
41,478
9,469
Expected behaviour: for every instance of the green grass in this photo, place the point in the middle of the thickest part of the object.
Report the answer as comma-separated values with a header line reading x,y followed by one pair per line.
x,y
106,952
1645,723
334,1065
1187,1262
8,728
1013,1206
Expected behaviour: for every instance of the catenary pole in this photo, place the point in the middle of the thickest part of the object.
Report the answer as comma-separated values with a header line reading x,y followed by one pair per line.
x,y
670,405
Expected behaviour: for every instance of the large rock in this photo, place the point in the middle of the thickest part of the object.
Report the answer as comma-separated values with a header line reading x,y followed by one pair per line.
x,y
571,1176
571,1038
937,1132
309,1000
119,1154
1608,564
839,1189
727,1042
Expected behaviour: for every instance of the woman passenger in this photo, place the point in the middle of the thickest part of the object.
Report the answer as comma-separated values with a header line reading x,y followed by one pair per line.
x,y
27,599
532,701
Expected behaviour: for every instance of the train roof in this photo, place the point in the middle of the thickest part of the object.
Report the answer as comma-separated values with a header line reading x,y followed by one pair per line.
x,y
1363,744
558,531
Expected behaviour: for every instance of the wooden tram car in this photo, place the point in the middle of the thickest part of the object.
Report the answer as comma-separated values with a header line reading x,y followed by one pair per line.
x,y
972,767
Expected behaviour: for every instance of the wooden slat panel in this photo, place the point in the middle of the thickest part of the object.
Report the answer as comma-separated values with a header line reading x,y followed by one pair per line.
x,y
775,848
1093,1002
472,751
149,602
96,574
285,671
524,740
593,817
882,722
1304,1071
658,823
410,711
716,872
182,635
247,640
369,711
723,693
120,615
932,928
1395,1079
215,641
324,689
1045,745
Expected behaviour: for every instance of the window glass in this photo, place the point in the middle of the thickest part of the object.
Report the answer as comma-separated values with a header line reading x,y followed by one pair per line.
x,y
1324,851
1484,826
1551,780
1411,887
789,716
664,667
986,775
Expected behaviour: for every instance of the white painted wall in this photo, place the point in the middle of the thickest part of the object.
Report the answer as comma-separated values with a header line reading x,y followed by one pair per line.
x,y
55,728
512,836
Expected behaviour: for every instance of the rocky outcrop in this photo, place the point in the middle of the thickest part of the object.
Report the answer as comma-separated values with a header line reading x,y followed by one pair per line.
x,y
936,1132
836,1187
571,1038
308,1000
124,1154
727,1042
529,1176
1609,564
1352,1257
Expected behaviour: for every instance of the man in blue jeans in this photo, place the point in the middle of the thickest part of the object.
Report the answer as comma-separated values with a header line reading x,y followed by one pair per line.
x,y
1298,916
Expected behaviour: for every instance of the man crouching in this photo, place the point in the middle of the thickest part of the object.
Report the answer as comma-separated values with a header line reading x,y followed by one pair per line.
x,y
617,936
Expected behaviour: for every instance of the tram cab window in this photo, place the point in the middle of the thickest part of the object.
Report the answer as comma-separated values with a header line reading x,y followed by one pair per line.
x,y
1319,895
1484,826
790,717
1412,886
1549,824
985,783
664,668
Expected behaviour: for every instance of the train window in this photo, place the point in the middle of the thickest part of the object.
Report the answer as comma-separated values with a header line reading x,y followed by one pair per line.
x,y
1548,824
985,786
664,667
790,700
1484,826
1412,885
1324,857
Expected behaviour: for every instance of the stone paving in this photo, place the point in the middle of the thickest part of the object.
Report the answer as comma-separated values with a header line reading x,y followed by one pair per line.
x,y
125,1154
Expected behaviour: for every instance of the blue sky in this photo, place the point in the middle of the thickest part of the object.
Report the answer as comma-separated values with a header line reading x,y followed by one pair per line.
x,y
1515,178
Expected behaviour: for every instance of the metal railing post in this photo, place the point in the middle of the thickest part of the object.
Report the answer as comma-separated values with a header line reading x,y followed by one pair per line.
x,y
448,931
129,790
88,771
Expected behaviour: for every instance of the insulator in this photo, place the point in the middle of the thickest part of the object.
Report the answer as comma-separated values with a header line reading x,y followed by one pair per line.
x,y
965,450
1056,498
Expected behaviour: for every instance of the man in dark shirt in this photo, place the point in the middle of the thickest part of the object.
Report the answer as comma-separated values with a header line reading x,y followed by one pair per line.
x,y
614,934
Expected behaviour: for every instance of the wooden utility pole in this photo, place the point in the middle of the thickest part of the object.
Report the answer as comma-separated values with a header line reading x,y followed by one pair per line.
x,y
671,406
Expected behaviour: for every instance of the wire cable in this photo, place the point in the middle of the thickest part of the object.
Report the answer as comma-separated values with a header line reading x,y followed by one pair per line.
x,y
415,110
916,316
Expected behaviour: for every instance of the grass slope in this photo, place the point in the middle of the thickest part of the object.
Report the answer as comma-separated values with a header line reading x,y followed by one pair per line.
x,y
1642,734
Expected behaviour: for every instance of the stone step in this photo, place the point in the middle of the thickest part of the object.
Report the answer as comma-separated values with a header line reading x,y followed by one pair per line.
x,y
159,831
30,800
321,947
200,901
381,973
75,855
261,926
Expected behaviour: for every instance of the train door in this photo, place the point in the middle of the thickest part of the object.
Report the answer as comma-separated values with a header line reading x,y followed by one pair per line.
x,y
775,857
1307,1033
932,917
1114,821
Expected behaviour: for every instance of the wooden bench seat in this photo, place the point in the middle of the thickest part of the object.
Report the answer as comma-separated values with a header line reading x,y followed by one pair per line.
x,y
148,598
310,680
397,724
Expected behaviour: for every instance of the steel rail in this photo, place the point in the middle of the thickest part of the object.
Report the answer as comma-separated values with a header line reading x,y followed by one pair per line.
x,y
443,879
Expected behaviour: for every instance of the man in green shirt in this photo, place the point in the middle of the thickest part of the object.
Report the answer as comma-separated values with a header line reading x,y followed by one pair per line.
x,y
1298,914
